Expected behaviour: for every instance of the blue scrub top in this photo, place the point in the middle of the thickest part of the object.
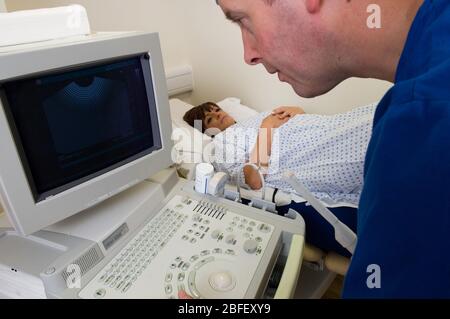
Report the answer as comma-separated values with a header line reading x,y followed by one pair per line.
x,y
403,248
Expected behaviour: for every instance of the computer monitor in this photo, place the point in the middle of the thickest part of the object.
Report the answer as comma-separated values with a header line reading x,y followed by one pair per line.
x,y
80,121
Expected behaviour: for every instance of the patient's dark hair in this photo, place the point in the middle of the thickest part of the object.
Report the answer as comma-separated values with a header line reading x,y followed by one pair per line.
x,y
198,113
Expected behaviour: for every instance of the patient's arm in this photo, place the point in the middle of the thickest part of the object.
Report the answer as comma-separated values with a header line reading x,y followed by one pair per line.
x,y
284,112
263,149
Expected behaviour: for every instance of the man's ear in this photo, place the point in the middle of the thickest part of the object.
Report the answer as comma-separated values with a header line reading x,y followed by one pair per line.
x,y
313,6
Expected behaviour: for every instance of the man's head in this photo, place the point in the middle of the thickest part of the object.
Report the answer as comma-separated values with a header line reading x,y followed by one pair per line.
x,y
316,44
210,115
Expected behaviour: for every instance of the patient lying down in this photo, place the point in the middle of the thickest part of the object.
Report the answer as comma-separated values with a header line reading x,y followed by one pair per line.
x,y
326,152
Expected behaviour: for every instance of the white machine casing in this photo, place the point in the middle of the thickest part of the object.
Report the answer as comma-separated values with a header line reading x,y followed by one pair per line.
x,y
95,239
29,26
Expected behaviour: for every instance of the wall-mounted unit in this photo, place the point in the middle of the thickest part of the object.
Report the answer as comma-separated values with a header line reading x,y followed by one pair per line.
x,y
39,25
180,80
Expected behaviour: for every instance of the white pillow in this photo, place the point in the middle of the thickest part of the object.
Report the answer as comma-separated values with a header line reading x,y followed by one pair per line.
x,y
177,110
236,110
230,105
183,130
189,142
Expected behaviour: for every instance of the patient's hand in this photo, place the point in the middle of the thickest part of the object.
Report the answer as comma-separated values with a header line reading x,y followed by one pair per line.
x,y
287,112
252,178
273,121
263,148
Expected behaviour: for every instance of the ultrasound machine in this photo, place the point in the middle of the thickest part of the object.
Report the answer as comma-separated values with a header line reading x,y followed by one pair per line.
x,y
95,209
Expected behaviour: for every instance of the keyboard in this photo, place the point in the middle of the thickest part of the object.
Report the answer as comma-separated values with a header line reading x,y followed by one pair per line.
x,y
139,253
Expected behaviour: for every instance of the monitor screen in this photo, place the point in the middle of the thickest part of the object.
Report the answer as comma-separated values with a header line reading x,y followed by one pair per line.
x,y
73,125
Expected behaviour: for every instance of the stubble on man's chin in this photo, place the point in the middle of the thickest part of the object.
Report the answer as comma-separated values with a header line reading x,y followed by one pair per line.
x,y
306,93
311,91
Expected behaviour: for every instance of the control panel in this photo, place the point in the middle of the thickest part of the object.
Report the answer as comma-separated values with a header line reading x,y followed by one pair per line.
x,y
196,246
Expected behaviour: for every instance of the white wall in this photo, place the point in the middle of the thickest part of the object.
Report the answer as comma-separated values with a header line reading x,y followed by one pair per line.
x,y
121,15
2,6
196,32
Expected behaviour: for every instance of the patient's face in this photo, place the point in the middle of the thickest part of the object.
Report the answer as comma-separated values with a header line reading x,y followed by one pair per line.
x,y
217,118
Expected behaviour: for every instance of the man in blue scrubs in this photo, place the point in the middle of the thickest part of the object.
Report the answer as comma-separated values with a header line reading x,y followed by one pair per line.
x,y
403,248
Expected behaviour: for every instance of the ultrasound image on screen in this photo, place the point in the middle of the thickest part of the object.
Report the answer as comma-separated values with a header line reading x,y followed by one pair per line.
x,y
81,123
83,115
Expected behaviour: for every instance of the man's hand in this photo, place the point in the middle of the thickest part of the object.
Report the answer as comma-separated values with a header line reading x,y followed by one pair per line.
x,y
287,112
183,295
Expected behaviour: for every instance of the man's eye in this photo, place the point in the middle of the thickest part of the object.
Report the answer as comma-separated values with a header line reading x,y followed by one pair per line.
x,y
237,20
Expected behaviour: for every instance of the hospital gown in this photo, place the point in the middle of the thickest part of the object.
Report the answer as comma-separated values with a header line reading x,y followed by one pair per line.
x,y
326,152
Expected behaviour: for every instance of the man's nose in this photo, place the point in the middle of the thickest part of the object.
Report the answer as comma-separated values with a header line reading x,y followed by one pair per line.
x,y
251,54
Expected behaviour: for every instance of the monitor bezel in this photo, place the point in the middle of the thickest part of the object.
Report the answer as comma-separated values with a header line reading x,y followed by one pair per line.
x,y
27,215
145,64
